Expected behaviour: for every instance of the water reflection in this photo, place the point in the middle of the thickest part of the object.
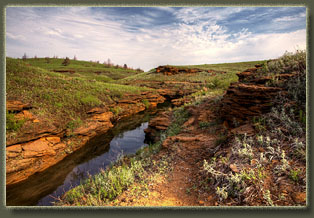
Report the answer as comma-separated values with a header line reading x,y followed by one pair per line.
x,y
43,188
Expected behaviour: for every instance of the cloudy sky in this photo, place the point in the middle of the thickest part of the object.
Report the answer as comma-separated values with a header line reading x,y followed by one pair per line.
x,y
146,37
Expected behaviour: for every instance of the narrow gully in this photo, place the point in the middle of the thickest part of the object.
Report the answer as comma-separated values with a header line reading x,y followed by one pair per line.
x,y
41,189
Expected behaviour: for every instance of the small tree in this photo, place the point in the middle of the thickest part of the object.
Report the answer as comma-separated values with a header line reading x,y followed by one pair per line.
x,y
74,58
139,70
66,61
109,62
125,66
24,57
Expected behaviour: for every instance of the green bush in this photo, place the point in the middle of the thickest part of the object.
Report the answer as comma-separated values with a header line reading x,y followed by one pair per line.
x,y
13,124
288,63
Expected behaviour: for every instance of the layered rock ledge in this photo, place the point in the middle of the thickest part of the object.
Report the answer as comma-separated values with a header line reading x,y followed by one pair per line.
x,y
253,95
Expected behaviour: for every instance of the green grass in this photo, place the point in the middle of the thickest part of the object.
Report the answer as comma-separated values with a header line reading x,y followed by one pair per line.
x,y
83,68
59,97
227,67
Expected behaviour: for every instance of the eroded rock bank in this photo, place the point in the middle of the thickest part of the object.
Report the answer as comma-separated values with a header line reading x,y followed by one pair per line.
x,y
42,144
253,95
171,70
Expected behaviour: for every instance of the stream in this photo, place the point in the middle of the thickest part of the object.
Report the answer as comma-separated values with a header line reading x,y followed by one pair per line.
x,y
41,189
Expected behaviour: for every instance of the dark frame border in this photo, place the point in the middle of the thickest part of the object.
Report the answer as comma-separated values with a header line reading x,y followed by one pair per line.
x,y
154,211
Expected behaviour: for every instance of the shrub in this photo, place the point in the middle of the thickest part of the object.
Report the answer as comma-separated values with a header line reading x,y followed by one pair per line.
x,y
288,63
66,61
12,124
146,103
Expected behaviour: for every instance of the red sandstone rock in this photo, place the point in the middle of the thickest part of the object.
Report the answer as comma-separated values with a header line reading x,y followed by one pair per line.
x,y
24,115
171,70
18,165
160,122
250,96
92,128
34,131
16,106
103,117
53,139
37,148
59,146
13,151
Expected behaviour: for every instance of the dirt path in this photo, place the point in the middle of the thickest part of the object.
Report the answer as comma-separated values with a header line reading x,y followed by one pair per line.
x,y
179,186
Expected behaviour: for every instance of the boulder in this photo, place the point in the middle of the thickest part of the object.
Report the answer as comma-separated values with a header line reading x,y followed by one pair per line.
x,y
155,125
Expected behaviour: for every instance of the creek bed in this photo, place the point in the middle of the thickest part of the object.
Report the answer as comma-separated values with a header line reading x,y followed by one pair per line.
x,y
126,137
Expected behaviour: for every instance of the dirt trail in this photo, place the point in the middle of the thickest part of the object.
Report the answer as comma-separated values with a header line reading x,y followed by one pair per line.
x,y
179,186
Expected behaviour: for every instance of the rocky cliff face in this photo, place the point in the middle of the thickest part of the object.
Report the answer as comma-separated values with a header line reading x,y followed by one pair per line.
x,y
252,95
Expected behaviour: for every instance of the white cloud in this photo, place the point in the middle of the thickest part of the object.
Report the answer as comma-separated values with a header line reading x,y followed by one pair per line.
x,y
77,31
292,18
15,37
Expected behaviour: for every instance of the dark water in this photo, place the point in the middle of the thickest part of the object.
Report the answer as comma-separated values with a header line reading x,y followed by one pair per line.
x,y
43,188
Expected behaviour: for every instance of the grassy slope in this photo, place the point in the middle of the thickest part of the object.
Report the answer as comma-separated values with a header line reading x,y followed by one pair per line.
x,y
83,68
59,97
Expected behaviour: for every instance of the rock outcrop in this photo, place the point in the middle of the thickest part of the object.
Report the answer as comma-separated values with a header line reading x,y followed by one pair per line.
x,y
252,95
171,70
156,125
16,106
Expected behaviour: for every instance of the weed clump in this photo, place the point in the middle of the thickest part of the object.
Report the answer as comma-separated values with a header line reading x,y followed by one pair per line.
x,y
13,124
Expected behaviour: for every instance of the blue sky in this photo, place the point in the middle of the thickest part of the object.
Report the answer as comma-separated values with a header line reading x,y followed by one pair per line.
x,y
146,37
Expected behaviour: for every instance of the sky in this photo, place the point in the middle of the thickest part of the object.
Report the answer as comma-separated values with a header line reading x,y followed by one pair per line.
x,y
147,37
